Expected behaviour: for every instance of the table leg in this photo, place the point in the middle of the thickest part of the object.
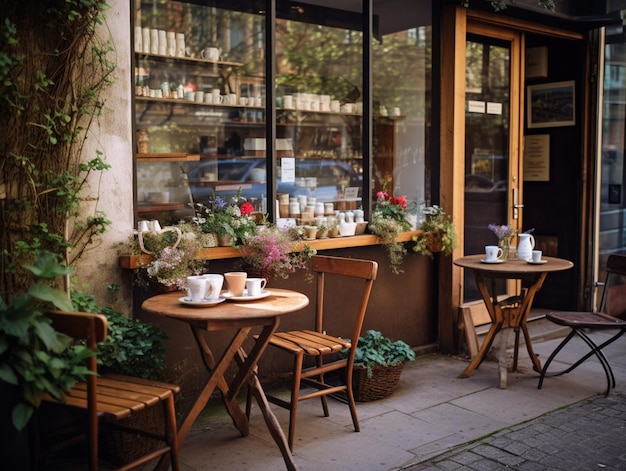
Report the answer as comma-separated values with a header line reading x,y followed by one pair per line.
x,y
272,423
484,349
529,347
502,358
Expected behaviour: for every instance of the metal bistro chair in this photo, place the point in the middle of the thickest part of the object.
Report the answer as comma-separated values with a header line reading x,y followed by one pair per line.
x,y
317,343
611,317
112,398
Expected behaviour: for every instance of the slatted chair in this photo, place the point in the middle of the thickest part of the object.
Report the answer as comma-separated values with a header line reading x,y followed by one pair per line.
x,y
318,344
611,317
112,398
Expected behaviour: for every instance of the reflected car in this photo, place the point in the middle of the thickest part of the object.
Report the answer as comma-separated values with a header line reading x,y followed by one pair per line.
x,y
319,178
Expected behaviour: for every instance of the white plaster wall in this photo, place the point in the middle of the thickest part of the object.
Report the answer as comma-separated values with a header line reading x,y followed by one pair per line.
x,y
113,188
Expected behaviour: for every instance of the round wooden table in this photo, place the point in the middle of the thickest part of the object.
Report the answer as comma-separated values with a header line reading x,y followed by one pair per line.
x,y
242,316
512,311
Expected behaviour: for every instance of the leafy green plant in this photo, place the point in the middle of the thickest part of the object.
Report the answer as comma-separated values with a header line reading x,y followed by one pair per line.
x,y
438,233
374,349
53,67
34,356
132,347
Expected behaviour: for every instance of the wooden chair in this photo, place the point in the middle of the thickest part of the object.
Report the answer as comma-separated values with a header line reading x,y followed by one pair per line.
x,y
611,317
318,344
113,398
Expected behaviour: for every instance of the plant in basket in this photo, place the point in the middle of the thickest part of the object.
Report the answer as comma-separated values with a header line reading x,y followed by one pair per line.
x,y
378,363
273,253
438,233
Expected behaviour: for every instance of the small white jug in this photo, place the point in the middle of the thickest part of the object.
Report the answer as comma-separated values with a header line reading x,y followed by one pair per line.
x,y
525,247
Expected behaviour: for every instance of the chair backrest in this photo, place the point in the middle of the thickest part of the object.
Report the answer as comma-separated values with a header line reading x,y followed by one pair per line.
x,y
93,329
614,294
367,270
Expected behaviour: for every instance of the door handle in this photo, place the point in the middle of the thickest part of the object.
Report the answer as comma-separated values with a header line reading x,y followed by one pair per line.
x,y
516,204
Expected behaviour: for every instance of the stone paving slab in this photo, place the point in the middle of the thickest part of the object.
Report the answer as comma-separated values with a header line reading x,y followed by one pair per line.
x,y
588,435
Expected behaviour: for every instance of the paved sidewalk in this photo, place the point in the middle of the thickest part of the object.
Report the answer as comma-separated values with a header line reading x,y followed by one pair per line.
x,y
585,436
436,420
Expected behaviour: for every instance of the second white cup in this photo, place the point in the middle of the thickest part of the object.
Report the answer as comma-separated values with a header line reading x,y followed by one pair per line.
x,y
214,283
255,286
492,253
536,256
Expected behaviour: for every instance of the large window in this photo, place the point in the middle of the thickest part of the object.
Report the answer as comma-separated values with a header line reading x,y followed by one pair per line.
x,y
200,107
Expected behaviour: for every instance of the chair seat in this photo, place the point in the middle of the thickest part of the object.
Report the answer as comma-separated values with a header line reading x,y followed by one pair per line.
x,y
118,396
308,341
591,320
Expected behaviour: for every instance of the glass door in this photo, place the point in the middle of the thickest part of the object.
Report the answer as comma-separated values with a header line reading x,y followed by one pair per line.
x,y
492,161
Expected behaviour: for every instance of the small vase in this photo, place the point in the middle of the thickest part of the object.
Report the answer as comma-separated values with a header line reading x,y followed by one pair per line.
x,y
505,245
225,240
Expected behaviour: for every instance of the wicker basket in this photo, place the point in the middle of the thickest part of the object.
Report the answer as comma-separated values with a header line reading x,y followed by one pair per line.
x,y
383,382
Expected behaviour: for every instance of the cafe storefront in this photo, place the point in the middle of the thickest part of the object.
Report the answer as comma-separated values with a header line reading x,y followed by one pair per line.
x,y
430,100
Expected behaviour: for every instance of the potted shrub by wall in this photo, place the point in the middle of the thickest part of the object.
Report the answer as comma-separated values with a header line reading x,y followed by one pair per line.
x,y
378,364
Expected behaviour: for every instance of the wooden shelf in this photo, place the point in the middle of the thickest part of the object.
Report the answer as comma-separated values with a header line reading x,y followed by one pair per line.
x,y
129,261
146,55
154,207
167,157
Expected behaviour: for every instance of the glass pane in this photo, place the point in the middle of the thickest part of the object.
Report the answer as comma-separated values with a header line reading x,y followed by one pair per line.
x,y
612,206
199,83
486,146
402,113
319,90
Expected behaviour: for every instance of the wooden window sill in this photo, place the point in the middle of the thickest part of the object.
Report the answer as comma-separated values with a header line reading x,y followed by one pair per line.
x,y
128,261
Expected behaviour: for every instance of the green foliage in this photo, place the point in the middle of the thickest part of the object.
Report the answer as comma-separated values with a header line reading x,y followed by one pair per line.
x,y
33,355
436,225
49,103
374,349
132,347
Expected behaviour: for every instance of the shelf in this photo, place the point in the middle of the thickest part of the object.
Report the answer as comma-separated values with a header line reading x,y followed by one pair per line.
x,y
183,101
217,253
160,57
167,157
154,207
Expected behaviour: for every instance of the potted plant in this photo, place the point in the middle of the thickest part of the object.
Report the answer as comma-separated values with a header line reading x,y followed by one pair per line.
x,y
389,219
438,233
378,363
230,220
273,253
172,260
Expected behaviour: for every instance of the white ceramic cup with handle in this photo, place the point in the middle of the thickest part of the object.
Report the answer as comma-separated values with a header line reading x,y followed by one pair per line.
x,y
214,283
255,286
492,253
536,256
196,288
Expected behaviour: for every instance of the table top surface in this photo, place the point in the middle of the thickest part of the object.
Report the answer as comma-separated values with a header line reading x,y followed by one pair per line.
x,y
476,262
279,301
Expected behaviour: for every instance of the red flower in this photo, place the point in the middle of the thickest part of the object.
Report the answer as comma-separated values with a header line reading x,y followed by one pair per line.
x,y
246,208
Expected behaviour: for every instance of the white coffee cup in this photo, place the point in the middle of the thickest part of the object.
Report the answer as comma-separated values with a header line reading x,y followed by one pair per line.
x,y
216,96
210,53
196,288
243,101
288,101
492,253
214,285
199,97
536,256
208,98
255,286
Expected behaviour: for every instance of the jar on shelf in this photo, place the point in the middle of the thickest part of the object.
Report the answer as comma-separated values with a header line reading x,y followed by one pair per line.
x,y
143,141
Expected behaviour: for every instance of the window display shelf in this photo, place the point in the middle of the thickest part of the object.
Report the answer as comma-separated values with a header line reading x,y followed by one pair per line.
x,y
167,157
128,261
183,59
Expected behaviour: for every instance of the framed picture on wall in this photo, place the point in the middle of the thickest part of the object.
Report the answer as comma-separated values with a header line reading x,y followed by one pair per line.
x,y
551,105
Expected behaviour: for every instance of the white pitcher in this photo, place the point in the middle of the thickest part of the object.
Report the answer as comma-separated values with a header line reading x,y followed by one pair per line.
x,y
525,247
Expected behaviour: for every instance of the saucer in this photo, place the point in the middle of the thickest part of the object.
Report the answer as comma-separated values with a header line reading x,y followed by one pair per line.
x,y
245,296
204,303
489,261
540,262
